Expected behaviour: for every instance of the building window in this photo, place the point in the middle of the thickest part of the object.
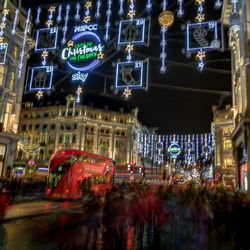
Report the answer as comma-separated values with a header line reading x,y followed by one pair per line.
x,y
7,115
227,145
74,139
12,80
1,75
15,52
53,126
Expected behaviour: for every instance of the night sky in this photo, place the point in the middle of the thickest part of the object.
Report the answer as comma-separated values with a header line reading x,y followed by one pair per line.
x,y
175,102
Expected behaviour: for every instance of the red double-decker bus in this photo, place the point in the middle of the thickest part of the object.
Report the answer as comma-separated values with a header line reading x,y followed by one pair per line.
x,y
72,173
124,172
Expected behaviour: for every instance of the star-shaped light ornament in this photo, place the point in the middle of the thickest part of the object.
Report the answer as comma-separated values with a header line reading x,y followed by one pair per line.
x,y
52,8
45,54
39,94
100,55
130,47
88,5
49,23
200,17
86,19
131,14
70,43
2,26
6,11
127,92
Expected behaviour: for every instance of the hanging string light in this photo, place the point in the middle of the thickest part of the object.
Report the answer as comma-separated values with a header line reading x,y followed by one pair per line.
x,y
121,8
201,54
79,92
200,15
59,16
38,14
180,12
87,17
166,20
51,11
217,4
108,22
65,28
3,22
15,21
98,8
26,30
149,5
130,47
77,15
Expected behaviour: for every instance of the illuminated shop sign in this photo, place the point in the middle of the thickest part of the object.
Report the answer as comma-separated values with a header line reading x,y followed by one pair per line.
x,y
174,150
84,52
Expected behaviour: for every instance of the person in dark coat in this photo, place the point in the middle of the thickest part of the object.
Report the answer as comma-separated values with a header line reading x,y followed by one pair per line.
x,y
4,202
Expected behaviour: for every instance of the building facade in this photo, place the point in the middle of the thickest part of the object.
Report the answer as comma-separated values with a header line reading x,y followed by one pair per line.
x,y
11,79
43,130
236,15
222,128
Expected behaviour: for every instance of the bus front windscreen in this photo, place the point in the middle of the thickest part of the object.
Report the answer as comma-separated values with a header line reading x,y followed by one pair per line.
x,y
57,174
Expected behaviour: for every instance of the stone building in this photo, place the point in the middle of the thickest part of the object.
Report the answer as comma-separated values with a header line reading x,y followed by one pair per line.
x,y
11,79
236,16
45,129
222,128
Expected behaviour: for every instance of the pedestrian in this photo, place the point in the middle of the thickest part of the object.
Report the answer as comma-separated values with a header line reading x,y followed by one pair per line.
x,y
4,202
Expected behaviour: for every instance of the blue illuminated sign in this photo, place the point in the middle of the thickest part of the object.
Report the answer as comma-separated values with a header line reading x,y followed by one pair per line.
x,y
84,51
174,150
132,74
41,78
46,39
202,36
132,32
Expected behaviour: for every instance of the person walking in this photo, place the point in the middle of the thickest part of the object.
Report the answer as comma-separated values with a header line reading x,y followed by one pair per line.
x,y
4,202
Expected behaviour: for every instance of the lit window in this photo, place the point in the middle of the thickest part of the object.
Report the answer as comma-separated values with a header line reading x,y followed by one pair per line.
x,y
15,52
227,144
1,75
12,80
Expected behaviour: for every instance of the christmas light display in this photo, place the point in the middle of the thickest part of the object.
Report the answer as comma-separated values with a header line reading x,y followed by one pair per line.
x,y
51,11
59,15
46,39
3,52
78,94
149,5
38,14
108,22
121,7
26,30
217,4
166,20
65,28
15,21
180,12
77,15
87,16
98,8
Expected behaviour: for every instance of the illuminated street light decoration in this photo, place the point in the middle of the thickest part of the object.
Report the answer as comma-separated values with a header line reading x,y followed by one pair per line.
x,y
127,93
121,7
149,5
79,92
217,4
15,22
59,15
84,52
87,16
46,39
234,4
180,12
166,20
38,15
108,21
98,9
131,12
77,15
39,94
200,11
51,11
26,30
65,28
